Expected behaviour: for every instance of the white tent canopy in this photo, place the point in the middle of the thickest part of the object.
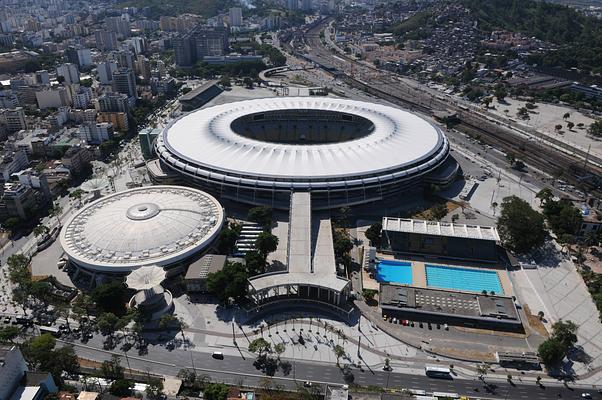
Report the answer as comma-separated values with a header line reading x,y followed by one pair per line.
x,y
145,277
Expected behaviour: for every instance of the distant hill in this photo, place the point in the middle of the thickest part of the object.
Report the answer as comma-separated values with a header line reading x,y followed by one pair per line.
x,y
579,37
206,8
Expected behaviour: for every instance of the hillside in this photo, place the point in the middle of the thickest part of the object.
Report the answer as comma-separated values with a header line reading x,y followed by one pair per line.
x,y
579,38
207,8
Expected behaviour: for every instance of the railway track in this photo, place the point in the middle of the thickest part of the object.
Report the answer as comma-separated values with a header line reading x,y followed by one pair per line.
x,y
534,153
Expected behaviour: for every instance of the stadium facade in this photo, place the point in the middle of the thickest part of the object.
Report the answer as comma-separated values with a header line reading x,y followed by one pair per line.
x,y
344,152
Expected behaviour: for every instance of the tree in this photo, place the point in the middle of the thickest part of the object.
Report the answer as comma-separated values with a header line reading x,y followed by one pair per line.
x,y
566,116
342,245
557,127
523,113
230,282
225,81
487,101
255,263
215,391
9,333
483,369
40,230
521,228
339,351
110,297
169,320
368,294
279,349
107,323
55,212
595,128
12,223
499,92
121,388
41,354
266,243
260,346
511,157
563,217
76,194
261,215
227,240
373,234
112,369
154,389
309,393
551,352
565,333
83,305
544,195
570,125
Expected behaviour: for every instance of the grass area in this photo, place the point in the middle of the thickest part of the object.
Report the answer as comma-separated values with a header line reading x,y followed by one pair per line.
x,y
429,213
535,323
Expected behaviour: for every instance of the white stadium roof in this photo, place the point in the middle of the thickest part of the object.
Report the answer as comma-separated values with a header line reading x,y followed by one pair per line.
x,y
155,225
205,139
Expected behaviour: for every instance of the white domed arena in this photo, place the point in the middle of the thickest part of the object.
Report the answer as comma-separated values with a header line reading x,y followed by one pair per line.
x,y
344,152
147,226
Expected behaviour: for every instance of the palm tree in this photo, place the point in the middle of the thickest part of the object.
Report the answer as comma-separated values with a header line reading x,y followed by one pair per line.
x,y
40,230
339,352
56,211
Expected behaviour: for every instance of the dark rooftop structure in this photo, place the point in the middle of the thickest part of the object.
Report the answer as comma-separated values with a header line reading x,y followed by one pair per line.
x,y
449,307
200,96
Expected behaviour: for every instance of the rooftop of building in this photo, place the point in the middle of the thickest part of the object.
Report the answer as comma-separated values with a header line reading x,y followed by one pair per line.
x,y
439,228
157,225
447,302
197,91
207,264
310,256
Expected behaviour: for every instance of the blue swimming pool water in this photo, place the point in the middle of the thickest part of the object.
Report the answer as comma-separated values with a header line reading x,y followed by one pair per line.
x,y
394,272
471,280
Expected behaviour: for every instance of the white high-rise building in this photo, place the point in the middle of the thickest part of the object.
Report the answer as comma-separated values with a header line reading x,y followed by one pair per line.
x,y
96,133
236,16
105,72
69,72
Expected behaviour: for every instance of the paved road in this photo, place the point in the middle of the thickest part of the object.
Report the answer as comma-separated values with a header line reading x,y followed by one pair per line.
x,y
240,370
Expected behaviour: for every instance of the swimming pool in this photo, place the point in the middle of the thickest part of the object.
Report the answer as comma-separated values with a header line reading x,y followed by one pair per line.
x,y
394,272
471,280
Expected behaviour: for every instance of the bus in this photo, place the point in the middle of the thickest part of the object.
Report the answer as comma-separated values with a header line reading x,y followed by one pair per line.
x,y
437,372
446,396
51,330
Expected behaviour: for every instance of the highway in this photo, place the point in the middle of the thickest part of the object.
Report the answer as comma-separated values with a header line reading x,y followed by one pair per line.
x,y
240,370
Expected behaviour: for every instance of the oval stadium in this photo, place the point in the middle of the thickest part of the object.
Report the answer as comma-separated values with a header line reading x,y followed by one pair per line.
x,y
344,152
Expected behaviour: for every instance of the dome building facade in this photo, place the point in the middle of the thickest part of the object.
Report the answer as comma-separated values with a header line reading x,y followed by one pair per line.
x,y
147,226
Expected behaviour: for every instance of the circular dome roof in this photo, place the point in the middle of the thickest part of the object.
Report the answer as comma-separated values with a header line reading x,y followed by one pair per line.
x,y
301,138
155,225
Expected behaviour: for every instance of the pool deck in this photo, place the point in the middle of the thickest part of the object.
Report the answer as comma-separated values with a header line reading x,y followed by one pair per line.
x,y
419,273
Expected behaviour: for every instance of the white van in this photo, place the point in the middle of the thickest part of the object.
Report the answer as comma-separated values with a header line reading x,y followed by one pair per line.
x,y
218,355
